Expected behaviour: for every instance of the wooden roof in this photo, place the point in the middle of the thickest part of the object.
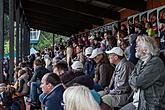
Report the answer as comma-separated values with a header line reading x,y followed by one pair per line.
x,y
68,17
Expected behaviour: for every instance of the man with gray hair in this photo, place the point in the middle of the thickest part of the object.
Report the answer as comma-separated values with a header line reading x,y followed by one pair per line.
x,y
147,79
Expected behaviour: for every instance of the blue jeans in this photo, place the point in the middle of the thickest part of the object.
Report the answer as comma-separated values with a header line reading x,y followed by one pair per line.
x,y
35,90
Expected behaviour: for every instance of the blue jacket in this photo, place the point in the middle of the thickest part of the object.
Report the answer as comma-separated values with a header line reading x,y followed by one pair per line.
x,y
52,101
39,72
89,68
132,52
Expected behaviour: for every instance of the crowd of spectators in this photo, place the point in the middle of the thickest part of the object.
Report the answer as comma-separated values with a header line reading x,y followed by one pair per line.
x,y
122,68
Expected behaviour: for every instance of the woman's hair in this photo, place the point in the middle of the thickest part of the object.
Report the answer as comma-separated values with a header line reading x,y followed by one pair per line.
x,y
38,62
103,60
150,44
16,71
79,98
21,72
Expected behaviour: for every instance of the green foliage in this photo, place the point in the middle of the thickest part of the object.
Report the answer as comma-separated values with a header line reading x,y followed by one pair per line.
x,y
6,35
46,40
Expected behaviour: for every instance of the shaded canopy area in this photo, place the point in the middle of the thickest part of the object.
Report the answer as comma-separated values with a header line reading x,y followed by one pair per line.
x,y
68,17
64,17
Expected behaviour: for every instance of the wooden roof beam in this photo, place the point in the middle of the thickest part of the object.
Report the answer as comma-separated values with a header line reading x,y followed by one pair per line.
x,y
61,13
48,29
59,27
80,7
54,20
138,5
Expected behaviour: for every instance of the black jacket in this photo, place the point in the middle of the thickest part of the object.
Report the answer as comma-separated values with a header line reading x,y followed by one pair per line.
x,y
39,72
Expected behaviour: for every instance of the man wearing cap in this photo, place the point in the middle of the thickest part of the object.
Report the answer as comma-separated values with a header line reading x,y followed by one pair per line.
x,y
77,66
162,33
119,89
68,76
89,66
104,69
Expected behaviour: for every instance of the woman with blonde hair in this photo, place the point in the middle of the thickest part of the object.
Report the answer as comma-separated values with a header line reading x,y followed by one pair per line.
x,y
79,98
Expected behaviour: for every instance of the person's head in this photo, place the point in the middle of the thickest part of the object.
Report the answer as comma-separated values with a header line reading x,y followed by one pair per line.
x,y
37,54
60,68
115,55
97,55
106,35
138,28
145,46
103,45
16,72
124,44
56,60
162,24
48,61
22,64
88,51
96,40
49,81
79,48
21,72
32,57
123,27
74,44
91,39
38,62
77,66
114,30
148,25
79,98
131,29
28,71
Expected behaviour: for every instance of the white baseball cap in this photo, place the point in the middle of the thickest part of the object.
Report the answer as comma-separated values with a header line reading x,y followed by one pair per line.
x,y
103,42
77,65
116,50
88,51
96,52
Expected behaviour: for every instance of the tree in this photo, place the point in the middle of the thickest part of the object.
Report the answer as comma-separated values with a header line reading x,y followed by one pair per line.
x,y
46,40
